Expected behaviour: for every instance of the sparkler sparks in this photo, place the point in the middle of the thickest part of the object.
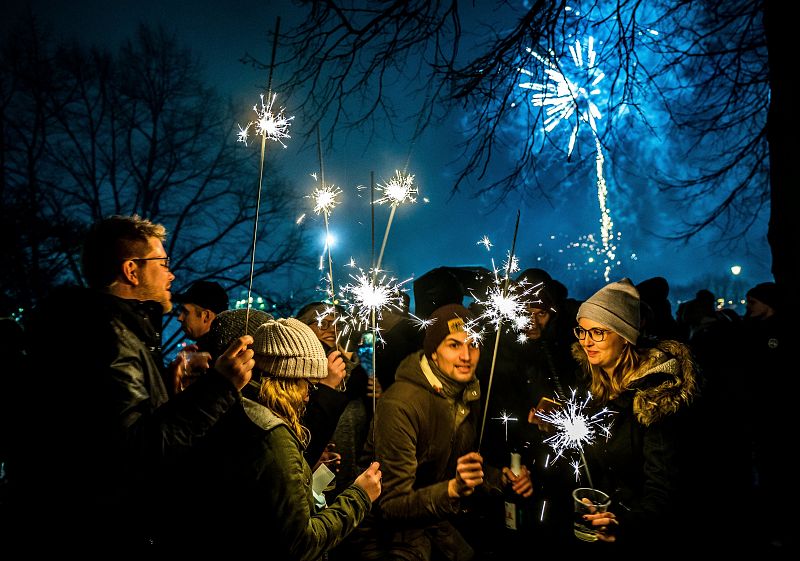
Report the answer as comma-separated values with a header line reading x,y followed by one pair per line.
x,y
366,299
399,189
267,124
325,197
505,418
574,429
504,301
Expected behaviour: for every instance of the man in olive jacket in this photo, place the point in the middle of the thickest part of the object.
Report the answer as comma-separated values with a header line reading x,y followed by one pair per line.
x,y
425,437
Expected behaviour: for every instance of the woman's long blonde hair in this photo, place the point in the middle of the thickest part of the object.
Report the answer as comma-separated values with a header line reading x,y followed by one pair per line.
x,y
286,397
606,387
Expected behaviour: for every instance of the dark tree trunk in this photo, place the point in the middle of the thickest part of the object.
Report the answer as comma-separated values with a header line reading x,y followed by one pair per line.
x,y
783,135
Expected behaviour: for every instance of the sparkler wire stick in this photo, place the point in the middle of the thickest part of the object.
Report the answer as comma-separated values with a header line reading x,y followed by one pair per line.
x,y
327,236
497,333
399,176
372,316
385,237
374,276
260,181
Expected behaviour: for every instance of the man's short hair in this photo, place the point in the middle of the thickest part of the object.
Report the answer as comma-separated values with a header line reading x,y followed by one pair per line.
x,y
112,240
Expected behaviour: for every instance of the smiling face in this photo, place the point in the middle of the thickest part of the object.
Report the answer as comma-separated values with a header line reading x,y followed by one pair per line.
x,y
457,357
603,354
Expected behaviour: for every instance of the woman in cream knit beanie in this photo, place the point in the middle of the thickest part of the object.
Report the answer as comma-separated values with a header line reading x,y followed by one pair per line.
x,y
254,470
647,389
288,357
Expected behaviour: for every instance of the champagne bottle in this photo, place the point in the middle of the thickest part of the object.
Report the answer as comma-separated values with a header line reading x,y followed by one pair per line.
x,y
513,501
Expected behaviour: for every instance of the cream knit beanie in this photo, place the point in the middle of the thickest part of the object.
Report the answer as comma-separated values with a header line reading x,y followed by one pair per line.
x,y
616,306
288,348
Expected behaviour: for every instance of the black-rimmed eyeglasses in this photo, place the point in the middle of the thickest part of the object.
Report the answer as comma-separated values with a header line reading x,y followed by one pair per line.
x,y
165,260
595,334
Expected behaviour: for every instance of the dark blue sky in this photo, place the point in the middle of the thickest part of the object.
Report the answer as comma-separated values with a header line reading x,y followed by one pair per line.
x,y
427,234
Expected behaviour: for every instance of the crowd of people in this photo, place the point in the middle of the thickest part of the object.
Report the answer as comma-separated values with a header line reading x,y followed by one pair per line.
x,y
453,444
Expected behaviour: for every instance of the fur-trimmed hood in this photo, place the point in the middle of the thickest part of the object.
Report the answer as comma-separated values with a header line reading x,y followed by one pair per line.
x,y
665,381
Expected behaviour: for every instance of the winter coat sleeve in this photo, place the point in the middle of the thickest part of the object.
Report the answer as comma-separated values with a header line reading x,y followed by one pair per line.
x,y
397,441
145,421
303,534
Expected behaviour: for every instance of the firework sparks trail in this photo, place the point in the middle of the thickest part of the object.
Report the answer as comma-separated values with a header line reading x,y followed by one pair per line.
x,y
574,429
563,98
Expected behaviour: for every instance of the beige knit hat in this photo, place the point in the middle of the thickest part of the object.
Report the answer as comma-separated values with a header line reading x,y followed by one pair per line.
x,y
287,348
616,306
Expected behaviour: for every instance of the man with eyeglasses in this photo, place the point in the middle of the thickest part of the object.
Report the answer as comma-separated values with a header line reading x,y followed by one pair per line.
x,y
103,445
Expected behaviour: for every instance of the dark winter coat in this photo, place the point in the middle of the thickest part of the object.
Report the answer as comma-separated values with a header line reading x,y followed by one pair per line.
x,y
419,434
251,490
642,465
102,442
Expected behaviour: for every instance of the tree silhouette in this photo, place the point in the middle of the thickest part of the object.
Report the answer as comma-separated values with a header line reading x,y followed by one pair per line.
x,y
88,133
695,73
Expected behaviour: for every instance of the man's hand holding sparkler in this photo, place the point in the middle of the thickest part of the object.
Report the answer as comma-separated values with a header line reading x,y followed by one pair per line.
x,y
521,484
469,475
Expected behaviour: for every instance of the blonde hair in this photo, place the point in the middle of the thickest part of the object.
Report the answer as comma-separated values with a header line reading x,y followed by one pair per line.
x,y
286,397
606,387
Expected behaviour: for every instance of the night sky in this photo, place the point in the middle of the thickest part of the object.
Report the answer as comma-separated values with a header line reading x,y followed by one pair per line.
x,y
443,230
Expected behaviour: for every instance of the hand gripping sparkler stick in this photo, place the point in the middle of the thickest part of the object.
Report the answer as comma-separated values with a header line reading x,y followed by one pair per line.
x,y
497,334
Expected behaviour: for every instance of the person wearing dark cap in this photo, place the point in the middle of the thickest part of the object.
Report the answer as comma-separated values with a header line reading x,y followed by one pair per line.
x,y
255,474
198,308
200,304
764,358
650,391
194,360
425,434
762,301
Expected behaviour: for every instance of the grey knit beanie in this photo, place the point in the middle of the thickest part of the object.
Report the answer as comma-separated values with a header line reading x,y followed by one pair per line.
x,y
616,306
288,348
228,325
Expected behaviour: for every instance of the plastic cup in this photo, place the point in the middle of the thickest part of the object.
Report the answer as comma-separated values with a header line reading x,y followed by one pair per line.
x,y
588,501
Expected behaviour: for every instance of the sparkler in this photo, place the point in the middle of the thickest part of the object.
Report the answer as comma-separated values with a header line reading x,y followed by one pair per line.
x,y
325,199
499,307
396,191
268,124
367,297
574,429
564,98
